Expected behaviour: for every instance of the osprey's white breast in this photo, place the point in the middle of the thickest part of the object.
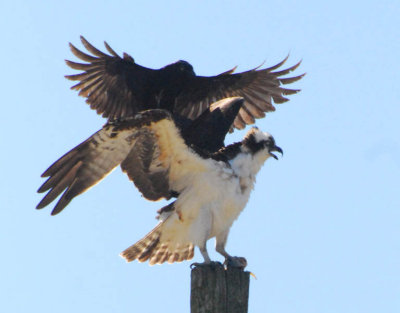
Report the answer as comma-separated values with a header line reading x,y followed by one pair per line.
x,y
219,196
213,197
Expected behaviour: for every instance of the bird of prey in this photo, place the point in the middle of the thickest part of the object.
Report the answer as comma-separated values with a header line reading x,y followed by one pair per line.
x,y
211,188
206,133
118,87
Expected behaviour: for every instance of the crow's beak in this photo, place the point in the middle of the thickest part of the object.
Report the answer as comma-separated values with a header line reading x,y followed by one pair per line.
x,y
277,149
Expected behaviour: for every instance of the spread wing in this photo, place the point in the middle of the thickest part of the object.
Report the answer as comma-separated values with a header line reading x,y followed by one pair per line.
x,y
259,88
113,86
118,87
148,147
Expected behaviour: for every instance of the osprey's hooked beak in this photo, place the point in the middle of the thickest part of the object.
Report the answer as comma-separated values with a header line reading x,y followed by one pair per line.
x,y
277,149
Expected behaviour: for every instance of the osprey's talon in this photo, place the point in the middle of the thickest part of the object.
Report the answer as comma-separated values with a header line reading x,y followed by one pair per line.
x,y
212,264
236,262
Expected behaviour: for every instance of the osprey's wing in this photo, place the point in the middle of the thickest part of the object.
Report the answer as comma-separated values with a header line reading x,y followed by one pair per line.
x,y
259,88
208,131
161,164
113,86
149,148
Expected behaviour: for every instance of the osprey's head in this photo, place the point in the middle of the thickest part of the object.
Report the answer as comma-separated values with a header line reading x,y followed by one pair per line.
x,y
258,141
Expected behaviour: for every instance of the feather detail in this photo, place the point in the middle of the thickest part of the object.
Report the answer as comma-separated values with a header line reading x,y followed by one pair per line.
x,y
149,248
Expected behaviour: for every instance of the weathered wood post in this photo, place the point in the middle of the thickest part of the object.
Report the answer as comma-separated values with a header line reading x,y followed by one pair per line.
x,y
219,290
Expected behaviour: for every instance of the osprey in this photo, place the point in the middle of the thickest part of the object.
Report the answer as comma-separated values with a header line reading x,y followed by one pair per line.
x,y
211,188
213,123
118,87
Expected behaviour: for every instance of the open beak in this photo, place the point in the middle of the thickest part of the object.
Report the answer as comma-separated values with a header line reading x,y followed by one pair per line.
x,y
277,149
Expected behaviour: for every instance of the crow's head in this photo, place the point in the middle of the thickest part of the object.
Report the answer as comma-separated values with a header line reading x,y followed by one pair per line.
x,y
181,67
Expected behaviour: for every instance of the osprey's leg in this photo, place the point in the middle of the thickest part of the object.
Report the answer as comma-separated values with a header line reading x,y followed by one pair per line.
x,y
205,255
220,244
230,261
206,217
207,260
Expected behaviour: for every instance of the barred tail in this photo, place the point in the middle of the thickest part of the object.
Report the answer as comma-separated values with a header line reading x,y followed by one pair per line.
x,y
150,248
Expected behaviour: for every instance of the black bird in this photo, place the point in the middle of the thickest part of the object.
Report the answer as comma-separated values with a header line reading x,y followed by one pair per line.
x,y
118,87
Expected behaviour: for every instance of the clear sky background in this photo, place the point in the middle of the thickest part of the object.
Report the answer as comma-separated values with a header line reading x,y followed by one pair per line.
x,y
322,228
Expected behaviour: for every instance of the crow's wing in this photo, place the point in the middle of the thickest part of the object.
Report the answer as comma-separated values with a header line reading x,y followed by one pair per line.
x,y
259,88
113,86
118,87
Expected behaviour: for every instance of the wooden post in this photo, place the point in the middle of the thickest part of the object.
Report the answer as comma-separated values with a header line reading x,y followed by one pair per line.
x,y
216,290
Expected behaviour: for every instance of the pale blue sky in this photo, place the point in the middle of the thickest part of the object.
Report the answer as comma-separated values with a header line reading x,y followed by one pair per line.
x,y
322,229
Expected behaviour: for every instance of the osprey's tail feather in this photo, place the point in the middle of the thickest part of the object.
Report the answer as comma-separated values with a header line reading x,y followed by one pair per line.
x,y
150,248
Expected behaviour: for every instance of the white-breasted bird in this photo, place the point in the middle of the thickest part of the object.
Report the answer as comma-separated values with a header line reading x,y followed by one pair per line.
x,y
211,189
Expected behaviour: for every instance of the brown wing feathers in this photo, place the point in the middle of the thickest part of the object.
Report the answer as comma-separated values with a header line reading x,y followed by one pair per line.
x,y
150,248
144,169
79,169
92,160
